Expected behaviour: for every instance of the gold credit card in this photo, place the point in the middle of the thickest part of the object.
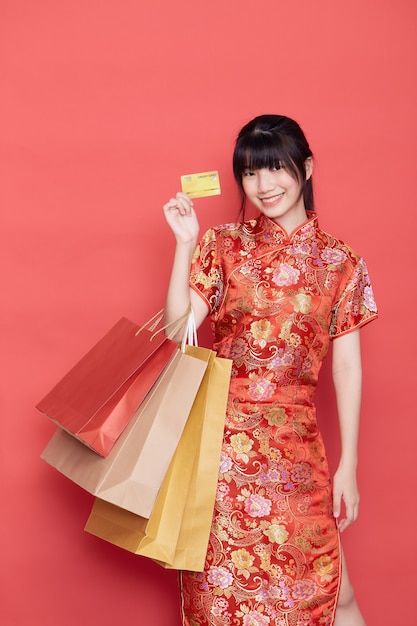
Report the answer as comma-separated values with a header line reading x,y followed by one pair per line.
x,y
201,184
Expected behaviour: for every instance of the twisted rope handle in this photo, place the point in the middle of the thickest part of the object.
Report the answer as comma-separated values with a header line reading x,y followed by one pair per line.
x,y
187,318
152,323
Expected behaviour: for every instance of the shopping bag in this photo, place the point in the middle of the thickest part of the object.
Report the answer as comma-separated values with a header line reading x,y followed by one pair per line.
x,y
177,532
96,399
191,549
130,476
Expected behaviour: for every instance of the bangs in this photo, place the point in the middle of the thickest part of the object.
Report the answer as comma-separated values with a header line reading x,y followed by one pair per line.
x,y
262,150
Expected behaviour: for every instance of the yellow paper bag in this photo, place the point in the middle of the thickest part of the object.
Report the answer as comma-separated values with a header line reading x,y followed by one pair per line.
x,y
190,553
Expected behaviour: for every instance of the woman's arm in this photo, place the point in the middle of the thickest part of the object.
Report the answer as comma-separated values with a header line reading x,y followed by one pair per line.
x,y
181,218
347,378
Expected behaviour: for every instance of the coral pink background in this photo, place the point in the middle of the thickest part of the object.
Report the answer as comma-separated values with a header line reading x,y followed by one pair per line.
x,y
104,105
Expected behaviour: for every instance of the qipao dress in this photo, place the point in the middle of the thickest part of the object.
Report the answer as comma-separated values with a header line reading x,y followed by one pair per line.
x,y
276,301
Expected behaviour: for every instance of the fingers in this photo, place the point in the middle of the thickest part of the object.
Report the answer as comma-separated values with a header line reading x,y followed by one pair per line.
x,y
181,204
337,503
345,495
181,218
351,509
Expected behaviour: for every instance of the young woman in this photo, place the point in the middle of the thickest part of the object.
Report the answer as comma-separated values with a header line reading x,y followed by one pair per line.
x,y
277,290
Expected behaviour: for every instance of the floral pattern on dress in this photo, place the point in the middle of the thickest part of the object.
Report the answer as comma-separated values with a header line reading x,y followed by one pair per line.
x,y
276,302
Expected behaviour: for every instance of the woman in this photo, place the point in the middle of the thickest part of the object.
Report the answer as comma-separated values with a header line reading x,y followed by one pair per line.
x,y
277,290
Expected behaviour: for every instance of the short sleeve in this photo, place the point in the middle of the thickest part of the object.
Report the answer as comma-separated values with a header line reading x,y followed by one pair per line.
x,y
355,305
206,272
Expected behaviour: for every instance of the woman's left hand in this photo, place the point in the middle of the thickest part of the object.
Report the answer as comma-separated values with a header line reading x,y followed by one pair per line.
x,y
345,488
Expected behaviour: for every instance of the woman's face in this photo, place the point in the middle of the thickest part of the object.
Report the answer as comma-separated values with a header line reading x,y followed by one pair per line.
x,y
277,194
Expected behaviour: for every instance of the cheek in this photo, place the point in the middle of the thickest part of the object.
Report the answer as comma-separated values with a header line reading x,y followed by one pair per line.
x,y
291,184
249,186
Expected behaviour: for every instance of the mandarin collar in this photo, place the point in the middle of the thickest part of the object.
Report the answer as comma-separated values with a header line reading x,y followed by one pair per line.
x,y
273,233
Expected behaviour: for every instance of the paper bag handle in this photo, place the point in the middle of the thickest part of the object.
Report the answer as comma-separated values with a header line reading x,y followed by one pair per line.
x,y
190,335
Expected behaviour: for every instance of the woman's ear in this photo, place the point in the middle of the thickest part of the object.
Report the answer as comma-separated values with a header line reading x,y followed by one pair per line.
x,y
308,164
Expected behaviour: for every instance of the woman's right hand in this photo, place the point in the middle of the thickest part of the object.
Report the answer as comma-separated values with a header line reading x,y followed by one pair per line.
x,y
182,219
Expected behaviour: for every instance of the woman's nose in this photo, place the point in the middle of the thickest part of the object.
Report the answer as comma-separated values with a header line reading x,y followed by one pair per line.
x,y
265,181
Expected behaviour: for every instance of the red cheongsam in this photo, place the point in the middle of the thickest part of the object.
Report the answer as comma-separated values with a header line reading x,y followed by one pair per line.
x,y
275,302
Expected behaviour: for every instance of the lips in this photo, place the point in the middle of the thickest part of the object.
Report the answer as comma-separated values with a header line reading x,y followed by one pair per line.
x,y
270,201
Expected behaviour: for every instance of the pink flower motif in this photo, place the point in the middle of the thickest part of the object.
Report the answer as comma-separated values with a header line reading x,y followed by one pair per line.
x,y
285,360
272,476
304,589
257,506
274,592
333,256
261,389
222,491
369,299
220,577
219,606
286,275
301,473
254,618
300,248
225,463
263,478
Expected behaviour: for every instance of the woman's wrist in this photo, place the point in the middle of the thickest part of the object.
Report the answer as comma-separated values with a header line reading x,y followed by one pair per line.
x,y
187,246
348,463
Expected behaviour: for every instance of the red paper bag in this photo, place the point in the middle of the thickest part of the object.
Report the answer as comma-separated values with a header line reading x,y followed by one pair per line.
x,y
96,399
132,473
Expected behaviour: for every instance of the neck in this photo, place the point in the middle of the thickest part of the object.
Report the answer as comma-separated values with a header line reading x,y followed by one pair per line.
x,y
290,222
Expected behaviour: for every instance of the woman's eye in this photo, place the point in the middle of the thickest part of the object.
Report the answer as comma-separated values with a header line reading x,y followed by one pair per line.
x,y
277,167
247,173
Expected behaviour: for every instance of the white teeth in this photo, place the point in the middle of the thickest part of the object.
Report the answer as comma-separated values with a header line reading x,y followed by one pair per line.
x,y
272,200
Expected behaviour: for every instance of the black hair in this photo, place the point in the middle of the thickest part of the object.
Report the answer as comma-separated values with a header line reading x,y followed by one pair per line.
x,y
268,141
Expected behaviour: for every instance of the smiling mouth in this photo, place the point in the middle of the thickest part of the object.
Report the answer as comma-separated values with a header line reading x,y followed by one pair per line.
x,y
271,200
